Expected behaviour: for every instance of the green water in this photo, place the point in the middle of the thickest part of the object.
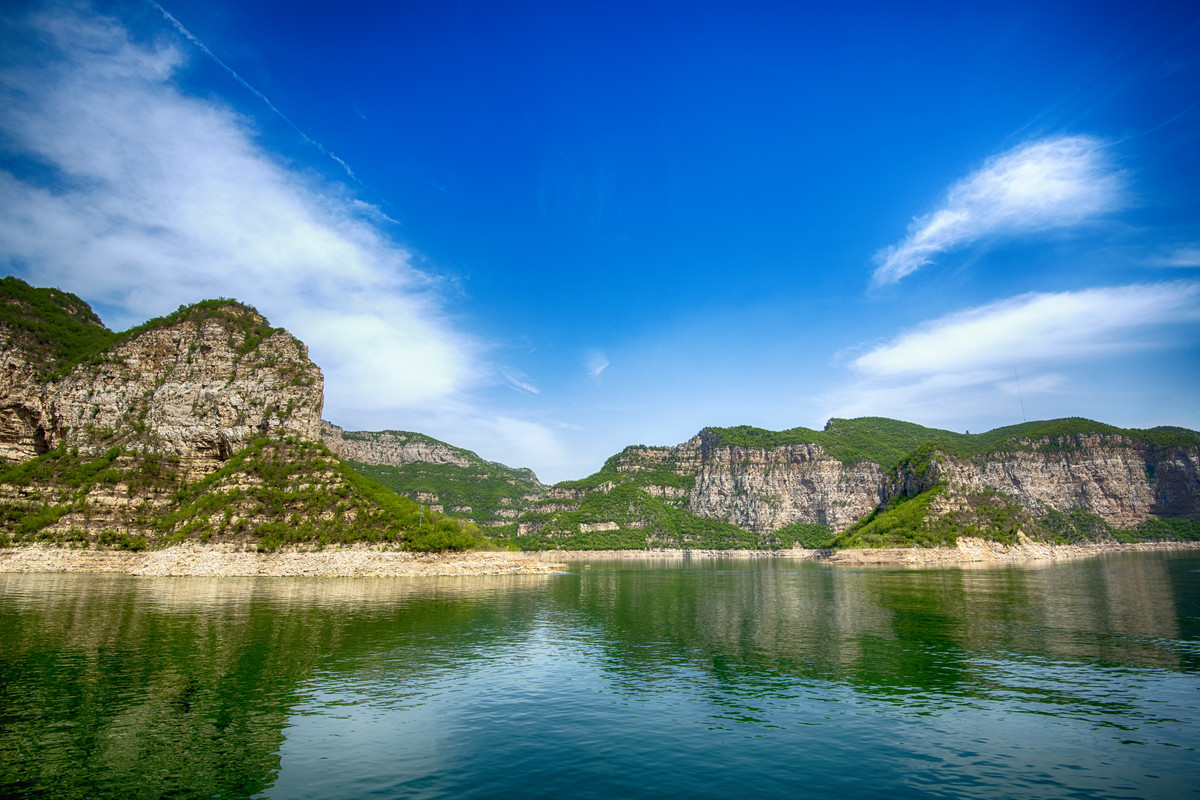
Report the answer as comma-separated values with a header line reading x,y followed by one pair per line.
x,y
703,678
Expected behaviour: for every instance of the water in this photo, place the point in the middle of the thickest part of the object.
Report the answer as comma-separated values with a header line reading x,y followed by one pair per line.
x,y
702,678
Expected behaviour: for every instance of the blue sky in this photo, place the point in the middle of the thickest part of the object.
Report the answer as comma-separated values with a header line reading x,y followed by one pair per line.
x,y
544,231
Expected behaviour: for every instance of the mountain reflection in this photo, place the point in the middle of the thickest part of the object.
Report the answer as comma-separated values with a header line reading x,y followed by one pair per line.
x,y
118,686
135,687
880,630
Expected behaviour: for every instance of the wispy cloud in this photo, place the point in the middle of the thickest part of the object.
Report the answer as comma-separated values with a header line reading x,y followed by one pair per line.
x,y
596,364
144,198
233,74
1041,185
519,380
1185,256
1035,327
981,363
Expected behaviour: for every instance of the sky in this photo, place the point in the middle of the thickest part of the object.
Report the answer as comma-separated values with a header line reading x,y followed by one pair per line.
x,y
544,231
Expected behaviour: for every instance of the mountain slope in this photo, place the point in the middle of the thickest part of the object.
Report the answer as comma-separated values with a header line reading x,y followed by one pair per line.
x,y
203,424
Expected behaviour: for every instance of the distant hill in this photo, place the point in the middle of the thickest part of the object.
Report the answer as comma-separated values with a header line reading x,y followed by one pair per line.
x,y
444,477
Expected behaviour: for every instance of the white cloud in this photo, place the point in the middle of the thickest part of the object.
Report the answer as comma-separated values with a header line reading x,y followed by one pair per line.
x,y
1034,327
157,198
937,400
596,363
1040,185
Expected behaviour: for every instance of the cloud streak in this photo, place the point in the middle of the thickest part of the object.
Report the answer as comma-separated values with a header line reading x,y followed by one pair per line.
x,y
1035,328
1038,186
141,198
596,364
245,84
961,369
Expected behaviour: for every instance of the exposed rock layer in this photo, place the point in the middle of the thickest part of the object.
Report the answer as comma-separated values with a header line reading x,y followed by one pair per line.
x,y
196,389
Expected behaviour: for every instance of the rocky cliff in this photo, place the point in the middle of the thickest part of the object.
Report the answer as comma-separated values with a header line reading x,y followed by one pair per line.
x,y
204,423
207,423
393,448
198,384
1119,479
1044,479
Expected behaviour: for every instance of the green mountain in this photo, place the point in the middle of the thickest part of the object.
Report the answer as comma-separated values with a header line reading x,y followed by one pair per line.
x,y
201,425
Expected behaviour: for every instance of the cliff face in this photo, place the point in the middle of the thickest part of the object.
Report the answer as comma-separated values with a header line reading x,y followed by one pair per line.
x,y
198,388
760,489
392,448
769,489
1122,481
435,474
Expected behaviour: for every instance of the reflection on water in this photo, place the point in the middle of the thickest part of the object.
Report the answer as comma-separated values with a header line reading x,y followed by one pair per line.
x,y
703,677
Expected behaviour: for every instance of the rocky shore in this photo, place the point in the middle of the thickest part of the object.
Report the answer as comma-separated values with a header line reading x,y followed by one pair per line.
x,y
968,551
227,561
363,562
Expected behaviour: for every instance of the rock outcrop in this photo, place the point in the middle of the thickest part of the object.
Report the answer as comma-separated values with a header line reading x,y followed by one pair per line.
x,y
392,448
199,386
204,425
1122,481
437,475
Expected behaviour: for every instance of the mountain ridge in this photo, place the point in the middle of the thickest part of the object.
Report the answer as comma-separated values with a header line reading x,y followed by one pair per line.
x,y
115,437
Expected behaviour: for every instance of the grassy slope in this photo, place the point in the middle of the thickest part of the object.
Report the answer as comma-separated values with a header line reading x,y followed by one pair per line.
x,y
991,516
485,488
272,492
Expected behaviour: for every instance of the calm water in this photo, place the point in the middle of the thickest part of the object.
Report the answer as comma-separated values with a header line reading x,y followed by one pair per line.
x,y
703,678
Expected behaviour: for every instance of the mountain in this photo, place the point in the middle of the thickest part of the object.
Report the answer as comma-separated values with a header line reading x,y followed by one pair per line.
x,y
865,482
202,425
443,477
206,425
880,482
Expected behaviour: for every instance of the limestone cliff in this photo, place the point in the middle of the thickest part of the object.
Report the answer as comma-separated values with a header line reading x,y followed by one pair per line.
x,y
778,485
392,448
204,424
1119,479
198,384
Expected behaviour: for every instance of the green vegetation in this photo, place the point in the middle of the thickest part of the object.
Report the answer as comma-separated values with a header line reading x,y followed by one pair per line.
x,y
902,524
233,315
908,522
992,516
59,331
298,492
272,492
887,442
643,522
1077,527
809,535
638,471
485,488
883,441
56,329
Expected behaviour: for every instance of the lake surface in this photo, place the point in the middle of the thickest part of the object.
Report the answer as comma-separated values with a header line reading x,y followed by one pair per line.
x,y
705,678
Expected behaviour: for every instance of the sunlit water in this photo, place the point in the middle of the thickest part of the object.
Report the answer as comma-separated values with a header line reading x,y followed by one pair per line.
x,y
702,678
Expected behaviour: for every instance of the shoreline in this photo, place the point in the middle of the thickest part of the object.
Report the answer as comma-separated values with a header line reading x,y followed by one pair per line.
x,y
969,550
230,561
360,561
